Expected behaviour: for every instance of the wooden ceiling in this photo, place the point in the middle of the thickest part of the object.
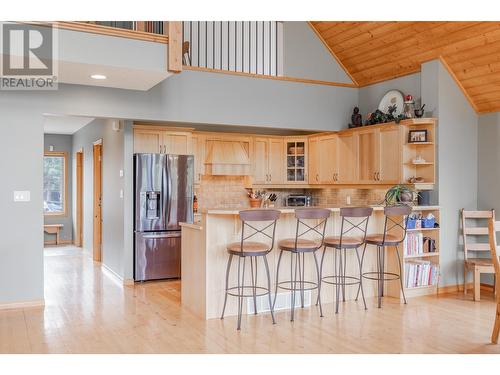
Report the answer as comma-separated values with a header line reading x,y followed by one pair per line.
x,y
372,52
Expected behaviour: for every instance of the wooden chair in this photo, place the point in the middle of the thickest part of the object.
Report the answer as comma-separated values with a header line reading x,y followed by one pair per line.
x,y
494,226
475,264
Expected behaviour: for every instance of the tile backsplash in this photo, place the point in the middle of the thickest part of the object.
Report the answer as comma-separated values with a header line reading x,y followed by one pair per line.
x,y
229,192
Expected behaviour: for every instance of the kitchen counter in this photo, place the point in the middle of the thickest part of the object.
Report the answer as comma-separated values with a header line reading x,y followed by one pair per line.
x,y
204,260
289,210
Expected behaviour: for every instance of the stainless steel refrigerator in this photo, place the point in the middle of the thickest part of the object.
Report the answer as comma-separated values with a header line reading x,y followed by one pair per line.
x,y
163,188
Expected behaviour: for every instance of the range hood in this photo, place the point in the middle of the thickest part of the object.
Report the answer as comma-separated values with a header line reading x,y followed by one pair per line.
x,y
227,158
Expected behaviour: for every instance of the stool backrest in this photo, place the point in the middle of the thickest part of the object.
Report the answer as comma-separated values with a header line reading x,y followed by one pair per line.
x,y
304,216
354,221
396,217
267,218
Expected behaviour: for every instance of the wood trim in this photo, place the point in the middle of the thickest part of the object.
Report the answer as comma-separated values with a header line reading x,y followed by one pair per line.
x,y
276,78
459,84
22,305
128,282
63,154
97,201
79,198
460,288
174,47
146,126
332,53
105,30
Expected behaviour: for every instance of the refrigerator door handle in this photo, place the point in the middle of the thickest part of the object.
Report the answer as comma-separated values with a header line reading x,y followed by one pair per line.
x,y
164,235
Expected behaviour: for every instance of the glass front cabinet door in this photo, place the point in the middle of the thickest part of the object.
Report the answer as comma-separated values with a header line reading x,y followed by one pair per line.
x,y
296,171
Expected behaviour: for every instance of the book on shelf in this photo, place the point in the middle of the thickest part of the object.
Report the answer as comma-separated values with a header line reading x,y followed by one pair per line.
x,y
420,273
416,243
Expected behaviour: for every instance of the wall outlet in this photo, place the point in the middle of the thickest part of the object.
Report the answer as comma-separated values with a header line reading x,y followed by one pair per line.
x,y
121,172
121,193
348,200
22,196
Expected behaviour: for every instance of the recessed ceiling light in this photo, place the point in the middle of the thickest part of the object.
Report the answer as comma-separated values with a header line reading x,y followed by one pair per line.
x,y
98,76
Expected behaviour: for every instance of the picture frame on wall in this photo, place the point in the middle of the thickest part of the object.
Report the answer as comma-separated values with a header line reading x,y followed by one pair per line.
x,y
417,136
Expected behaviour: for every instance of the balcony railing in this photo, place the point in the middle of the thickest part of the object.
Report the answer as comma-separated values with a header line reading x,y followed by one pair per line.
x,y
254,47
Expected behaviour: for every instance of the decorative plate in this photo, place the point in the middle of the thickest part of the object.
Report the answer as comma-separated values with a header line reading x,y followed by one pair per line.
x,y
390,98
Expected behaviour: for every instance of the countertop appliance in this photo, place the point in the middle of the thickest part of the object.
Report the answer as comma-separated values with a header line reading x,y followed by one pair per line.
x,y
163,197
298,200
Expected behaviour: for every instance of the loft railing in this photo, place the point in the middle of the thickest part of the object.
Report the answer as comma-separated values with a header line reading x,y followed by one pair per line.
x,y
254,47
153,31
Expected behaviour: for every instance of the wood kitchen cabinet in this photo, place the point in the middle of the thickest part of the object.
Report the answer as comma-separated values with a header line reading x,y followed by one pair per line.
x,y
268,161
347,158
198,147
379,155
152,139
323,159
296,151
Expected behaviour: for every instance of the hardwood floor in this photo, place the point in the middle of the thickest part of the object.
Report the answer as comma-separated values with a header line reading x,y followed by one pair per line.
x,y
88,311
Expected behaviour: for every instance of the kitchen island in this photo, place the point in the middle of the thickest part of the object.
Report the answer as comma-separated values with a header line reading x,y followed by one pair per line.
x,y
204,261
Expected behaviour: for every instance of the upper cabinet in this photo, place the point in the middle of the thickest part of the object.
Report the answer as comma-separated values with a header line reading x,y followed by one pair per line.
x,y
268,161
323,159
198,147
347,147
158,140
296,160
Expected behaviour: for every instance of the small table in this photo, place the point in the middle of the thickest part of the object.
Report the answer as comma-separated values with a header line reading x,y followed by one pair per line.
x,y
53,229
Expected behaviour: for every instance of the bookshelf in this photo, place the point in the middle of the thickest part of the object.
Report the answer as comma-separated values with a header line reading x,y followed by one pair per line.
x,y
431,259
425,169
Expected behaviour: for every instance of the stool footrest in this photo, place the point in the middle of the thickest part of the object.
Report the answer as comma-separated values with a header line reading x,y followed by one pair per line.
x,y
312,284
390,276
355,280
263,291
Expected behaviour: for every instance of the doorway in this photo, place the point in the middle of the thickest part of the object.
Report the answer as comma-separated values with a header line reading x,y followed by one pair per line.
x,y
97,242
79,198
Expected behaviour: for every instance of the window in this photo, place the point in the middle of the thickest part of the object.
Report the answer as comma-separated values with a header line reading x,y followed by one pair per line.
x,y
54,183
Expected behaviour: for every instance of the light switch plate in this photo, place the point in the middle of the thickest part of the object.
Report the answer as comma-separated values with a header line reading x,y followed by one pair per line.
x,y
22,196
121,193
121,172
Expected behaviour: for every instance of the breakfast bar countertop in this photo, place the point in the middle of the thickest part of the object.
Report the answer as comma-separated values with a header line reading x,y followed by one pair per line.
x,y
290,210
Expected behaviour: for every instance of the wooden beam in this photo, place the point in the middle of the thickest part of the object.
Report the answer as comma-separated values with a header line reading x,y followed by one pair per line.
x,y
174,30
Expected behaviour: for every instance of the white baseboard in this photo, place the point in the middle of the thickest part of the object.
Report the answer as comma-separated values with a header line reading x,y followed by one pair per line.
x,y
109,272
22,305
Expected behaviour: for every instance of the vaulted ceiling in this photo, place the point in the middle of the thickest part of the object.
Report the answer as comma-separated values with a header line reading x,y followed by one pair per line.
x,y
372,52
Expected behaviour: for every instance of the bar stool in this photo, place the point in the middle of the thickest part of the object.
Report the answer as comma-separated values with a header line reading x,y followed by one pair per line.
x,y
396,218
250,249
298,247
353,230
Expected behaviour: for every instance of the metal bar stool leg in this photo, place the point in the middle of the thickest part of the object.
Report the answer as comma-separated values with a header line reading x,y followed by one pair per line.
x,y
379,270
240,293
383,268
277,278
271,307
254,283
320,272
361,270
360,287
300,280
337,279
319,284
343,274
400,273
293,284
228,268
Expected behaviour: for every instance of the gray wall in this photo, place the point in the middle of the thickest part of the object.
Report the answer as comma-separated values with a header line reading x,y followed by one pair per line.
x,y
457,162
21,223
112,204
62,142
305,55
370,96
488,162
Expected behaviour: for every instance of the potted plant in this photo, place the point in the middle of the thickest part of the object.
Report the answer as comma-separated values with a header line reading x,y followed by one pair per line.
x,y
399,194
